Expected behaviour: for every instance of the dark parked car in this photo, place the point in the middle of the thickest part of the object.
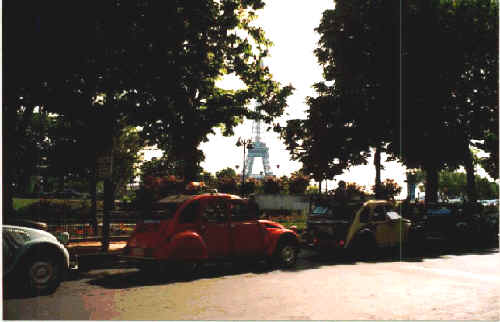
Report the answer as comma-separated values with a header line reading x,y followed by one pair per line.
x,y
455,222
33,259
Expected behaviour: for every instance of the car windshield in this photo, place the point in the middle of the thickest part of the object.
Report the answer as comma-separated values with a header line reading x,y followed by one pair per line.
x,y
336,211
166,211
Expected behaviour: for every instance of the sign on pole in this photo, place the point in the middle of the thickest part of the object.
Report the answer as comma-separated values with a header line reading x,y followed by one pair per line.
x,y
104,166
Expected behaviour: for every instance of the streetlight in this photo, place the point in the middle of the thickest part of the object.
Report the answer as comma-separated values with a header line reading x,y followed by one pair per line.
x,y
246,144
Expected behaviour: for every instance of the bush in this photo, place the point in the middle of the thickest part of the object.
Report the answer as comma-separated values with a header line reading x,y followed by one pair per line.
x,y
298,184
271,186
388,189
57,211
227,185
249,186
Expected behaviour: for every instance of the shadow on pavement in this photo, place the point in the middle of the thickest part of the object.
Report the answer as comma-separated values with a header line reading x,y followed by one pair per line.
x,y
308,260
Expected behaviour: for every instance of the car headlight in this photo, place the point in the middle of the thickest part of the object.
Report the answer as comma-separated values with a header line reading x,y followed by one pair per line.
x,y
18,236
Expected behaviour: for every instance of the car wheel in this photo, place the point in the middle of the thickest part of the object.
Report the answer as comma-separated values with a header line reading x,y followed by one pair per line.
x,y
364,246
286,254
43,275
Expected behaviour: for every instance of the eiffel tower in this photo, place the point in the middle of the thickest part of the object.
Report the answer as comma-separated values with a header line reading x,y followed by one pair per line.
x,y
258,150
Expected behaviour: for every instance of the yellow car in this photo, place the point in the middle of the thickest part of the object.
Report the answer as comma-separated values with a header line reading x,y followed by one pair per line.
x,y
357,226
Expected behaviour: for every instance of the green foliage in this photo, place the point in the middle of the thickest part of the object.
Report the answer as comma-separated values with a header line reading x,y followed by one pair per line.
x,y
227,185
453,185
227,172
249,187
56,211
298,183
160,167
388,189
385,88
271,186
22,203
208,179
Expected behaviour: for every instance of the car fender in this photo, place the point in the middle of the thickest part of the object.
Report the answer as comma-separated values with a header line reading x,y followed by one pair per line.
x,y
277,235
36,247
365,231
186,245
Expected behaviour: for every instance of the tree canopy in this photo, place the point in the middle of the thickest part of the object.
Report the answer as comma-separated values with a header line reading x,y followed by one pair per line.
x,y
106,65
418,79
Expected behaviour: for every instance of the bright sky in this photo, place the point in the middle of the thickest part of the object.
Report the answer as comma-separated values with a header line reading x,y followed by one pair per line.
x,y
289,24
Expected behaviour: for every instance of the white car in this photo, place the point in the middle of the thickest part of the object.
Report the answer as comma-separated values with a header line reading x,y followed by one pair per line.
x,y
34,259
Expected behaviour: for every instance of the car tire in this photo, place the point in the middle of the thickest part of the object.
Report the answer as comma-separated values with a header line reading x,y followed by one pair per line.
x,y
42,274
364,246
286,254
187,269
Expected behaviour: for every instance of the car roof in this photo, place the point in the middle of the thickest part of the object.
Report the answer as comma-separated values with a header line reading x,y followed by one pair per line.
x,y
179,198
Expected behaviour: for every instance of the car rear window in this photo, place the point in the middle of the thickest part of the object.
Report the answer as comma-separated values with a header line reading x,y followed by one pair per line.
x,y
336,211
166,211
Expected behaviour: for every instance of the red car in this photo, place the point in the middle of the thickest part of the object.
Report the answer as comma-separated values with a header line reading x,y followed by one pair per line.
x,y
191,229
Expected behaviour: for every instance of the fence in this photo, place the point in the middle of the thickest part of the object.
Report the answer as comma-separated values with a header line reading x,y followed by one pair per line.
x,y
85,231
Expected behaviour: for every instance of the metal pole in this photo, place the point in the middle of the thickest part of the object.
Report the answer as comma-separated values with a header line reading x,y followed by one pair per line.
x,y
244,148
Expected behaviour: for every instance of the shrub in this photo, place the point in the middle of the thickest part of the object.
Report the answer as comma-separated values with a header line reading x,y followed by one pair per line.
x,y
388,189
57,211
271,186
227,185
298,184
249,186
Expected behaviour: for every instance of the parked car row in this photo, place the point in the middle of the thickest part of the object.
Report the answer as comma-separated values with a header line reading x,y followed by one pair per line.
x,y
184,231
361,227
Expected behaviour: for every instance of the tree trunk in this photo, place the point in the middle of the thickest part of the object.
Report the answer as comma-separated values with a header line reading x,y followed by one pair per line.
x,y
108,205
108,202
61,183
378,183
93,199
471,185
431,184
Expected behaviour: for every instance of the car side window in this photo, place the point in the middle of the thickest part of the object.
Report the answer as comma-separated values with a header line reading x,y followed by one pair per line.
x,y
379,213
190,213
364,217
239,211
215,211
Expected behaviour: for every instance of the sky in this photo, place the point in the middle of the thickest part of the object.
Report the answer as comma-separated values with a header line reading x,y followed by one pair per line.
x,y
290,25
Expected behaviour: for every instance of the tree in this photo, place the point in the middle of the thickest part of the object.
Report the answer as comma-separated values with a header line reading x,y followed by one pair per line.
x,y
212,39
454,185
387,189
159,167
144,63
423,106
326,143
227,172
298,183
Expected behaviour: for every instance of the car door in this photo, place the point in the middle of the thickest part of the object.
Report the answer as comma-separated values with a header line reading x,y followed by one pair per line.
x,y
385,230
246,232
214,227
381,225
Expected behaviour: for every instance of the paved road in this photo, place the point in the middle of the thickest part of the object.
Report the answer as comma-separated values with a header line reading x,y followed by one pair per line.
x,y
446,285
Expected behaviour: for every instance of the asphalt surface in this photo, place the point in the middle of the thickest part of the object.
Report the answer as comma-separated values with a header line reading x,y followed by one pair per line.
x,y
441,284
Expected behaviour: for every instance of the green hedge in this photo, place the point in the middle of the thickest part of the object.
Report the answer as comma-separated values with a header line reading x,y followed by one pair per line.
x,y
55,210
